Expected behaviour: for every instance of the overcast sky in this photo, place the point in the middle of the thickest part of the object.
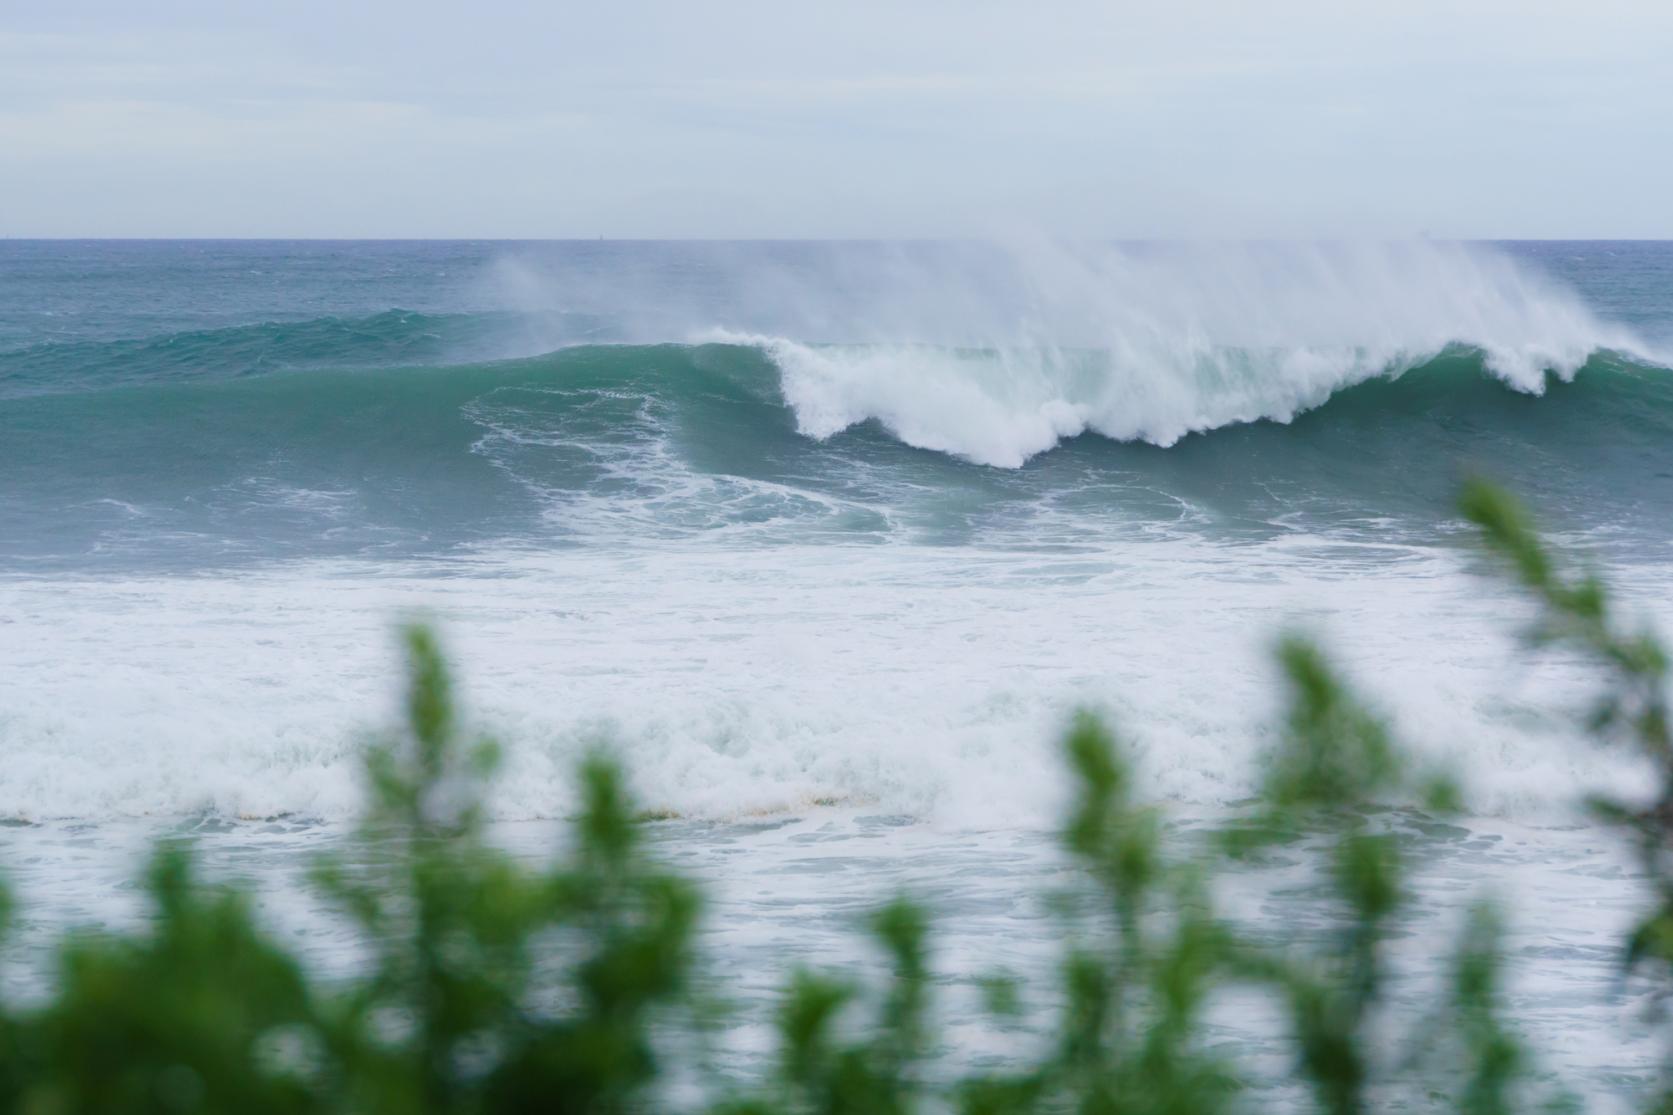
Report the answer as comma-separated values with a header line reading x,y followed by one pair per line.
x,y
679,118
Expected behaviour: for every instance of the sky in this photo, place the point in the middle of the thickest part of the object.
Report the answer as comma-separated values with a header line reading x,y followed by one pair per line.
x,y
731,119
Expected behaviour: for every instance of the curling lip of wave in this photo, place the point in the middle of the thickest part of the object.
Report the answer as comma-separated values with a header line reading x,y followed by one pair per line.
x,y
996,407
1046,341
1000,408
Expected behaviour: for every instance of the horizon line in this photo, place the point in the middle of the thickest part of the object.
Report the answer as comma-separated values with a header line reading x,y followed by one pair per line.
x,y
267,239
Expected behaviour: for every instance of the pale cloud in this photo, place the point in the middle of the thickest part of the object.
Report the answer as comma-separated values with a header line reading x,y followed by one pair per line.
x,y
737,118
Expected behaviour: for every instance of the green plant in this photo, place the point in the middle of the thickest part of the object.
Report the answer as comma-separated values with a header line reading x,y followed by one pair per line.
x,y
1335,763
1632,706
200,1013
456,1014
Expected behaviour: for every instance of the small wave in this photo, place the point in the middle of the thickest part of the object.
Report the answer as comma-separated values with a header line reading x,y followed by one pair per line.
x,y
389,339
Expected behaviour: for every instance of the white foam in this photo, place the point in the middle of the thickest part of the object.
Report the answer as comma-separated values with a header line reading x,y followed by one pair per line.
x,y
925,682
1001,358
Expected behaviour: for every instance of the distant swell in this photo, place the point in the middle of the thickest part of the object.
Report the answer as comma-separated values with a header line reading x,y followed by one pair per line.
x,y
395,338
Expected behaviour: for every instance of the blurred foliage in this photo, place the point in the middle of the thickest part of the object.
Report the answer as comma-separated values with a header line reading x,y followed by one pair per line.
x,y
1576,610
490,985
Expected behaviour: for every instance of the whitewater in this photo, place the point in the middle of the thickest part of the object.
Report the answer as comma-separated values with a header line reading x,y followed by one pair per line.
x,y
826,541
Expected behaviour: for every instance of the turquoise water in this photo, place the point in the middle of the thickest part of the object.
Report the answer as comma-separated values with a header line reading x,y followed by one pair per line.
x,y
192,404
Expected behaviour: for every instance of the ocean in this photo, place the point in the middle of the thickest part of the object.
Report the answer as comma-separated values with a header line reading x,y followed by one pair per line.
x,y
826,541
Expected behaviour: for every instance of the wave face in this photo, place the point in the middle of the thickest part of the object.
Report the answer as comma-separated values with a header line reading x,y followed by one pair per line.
x,y
170,449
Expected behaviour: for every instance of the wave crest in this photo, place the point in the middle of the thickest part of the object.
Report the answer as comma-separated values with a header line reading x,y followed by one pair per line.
x,y
1153,345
